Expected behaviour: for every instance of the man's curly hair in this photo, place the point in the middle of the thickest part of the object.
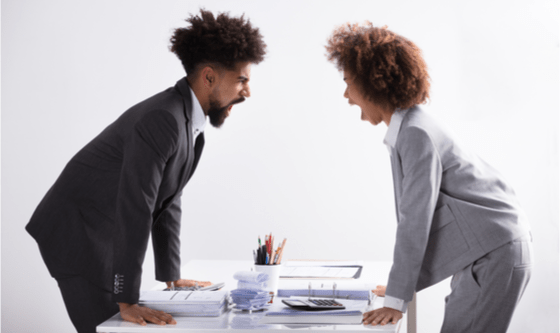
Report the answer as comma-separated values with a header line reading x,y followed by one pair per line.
x,y
222,40
388,68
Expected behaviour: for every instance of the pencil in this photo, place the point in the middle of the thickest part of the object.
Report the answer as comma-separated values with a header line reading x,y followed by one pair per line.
x,y
271,250
281,252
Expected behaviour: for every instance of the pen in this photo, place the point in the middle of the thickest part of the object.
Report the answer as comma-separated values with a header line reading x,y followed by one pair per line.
x,y
255,257
263,255
266,242
276,256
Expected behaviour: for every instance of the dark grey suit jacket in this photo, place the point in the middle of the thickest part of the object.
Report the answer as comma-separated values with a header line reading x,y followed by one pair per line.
x,y
127,182
452,207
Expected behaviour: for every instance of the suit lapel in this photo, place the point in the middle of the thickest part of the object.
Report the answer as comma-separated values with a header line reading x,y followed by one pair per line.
x,y
193,151
199,145
193,156
185,171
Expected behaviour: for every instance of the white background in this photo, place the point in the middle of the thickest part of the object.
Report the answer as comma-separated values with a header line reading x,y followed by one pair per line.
x,y
294,159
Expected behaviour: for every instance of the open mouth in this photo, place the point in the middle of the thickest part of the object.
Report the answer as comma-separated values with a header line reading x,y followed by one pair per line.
x,y
228,110
233,103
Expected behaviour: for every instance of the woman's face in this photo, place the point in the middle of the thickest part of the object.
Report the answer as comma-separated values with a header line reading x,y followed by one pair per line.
x,y
370,111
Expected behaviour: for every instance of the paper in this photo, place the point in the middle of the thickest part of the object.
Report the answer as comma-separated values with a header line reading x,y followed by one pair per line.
x,y
186,303
308,263
318,272
351,315
252,277
183,297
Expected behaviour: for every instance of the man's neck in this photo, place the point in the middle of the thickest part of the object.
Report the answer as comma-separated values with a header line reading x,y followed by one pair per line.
x,y
201,93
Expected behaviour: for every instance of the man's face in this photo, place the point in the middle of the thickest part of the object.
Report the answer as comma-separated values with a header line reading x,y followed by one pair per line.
x,y
231,88
370,111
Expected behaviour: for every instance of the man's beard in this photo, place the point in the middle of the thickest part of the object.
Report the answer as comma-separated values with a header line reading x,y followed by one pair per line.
x,y
217,113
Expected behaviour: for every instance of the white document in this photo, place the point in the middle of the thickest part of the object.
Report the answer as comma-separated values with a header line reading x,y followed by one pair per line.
x,y
183,297
307,263
186,303
285,315
318,272
327,285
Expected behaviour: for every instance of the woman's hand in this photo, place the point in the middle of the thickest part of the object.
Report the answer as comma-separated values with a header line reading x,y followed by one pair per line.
x,y
380,291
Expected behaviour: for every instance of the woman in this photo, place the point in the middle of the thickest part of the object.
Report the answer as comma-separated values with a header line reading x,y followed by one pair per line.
x,y
456,214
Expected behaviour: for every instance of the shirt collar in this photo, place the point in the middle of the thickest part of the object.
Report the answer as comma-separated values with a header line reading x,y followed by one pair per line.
x,y
394,126
198,116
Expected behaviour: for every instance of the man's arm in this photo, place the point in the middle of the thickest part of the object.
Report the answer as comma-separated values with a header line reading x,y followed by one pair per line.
x,y
146,150
167,245
188,283
166,242
140,314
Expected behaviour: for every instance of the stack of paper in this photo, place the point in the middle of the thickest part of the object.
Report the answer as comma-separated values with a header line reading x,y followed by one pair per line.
x,y
293,316
351,315
251,280
186,303
246,299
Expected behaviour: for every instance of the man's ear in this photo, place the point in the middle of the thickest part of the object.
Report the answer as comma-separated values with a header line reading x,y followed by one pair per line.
x,y
208,76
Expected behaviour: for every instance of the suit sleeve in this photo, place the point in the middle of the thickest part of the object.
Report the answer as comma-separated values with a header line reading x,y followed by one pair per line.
x,y
146,150
166,242
422,173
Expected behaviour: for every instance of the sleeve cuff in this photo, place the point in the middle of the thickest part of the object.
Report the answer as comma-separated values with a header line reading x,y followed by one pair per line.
x,y
395,303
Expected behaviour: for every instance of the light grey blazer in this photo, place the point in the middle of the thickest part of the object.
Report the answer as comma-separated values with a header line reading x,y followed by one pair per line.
x,y
452,207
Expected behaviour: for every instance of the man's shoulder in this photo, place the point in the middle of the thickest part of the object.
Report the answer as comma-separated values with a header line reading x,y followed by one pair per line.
x,y
169,102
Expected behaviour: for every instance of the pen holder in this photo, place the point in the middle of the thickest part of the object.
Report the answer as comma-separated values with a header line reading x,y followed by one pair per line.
x,y
273,272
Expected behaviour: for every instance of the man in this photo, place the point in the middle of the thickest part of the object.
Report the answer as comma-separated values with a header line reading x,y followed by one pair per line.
x,y
93,225
456,215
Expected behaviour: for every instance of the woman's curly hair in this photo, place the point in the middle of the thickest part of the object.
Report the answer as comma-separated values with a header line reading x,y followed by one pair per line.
x,y
223,40
388,68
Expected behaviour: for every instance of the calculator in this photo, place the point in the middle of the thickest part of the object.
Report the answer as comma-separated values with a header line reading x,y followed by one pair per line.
x,y
313,304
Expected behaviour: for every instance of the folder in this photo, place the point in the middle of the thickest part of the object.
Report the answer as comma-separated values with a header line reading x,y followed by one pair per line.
x,y
186,303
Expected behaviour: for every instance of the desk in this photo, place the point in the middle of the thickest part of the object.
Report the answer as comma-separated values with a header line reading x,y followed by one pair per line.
x,y
373,273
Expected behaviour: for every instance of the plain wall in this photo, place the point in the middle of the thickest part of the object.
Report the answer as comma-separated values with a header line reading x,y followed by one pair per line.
x,y
294,159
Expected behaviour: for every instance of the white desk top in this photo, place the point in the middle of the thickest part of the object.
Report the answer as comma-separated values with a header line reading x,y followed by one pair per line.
x,y
373,273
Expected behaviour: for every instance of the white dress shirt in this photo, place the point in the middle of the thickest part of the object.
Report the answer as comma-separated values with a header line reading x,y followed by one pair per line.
x,y
198,117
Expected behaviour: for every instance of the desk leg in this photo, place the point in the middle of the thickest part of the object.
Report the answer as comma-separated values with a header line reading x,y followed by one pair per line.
x,y
411,316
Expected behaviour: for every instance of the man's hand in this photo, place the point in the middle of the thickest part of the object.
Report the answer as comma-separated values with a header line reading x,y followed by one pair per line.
x,y
141,314
188,283
382,316
380,291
